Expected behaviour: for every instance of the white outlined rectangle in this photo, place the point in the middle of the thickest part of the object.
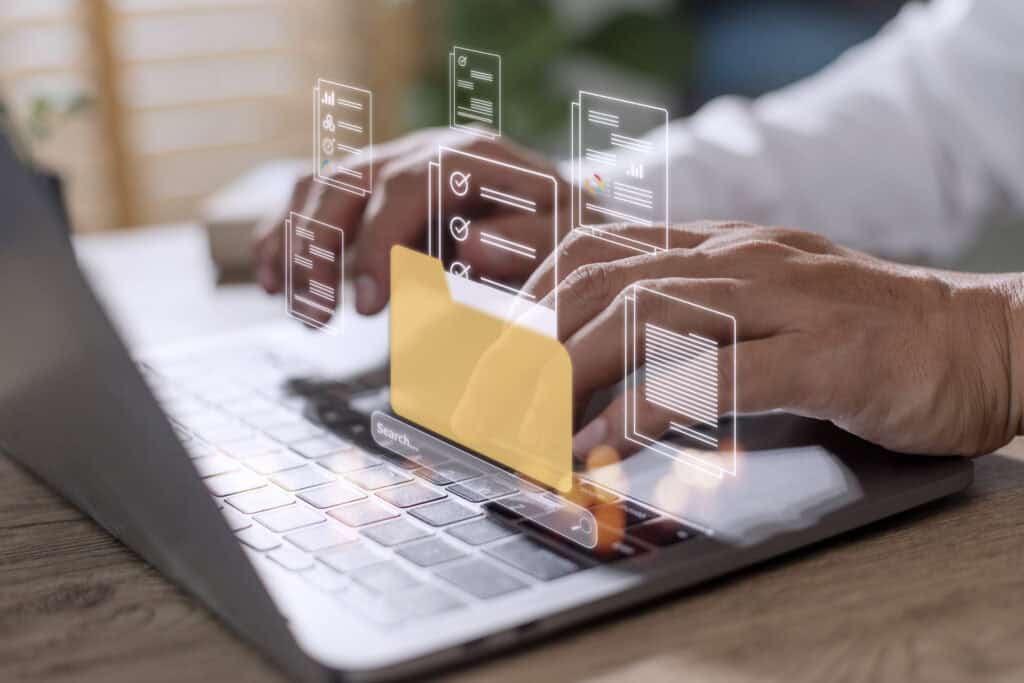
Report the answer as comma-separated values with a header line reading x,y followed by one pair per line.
x,y
458,176
619,168
343,136
677,371
474,92
317,250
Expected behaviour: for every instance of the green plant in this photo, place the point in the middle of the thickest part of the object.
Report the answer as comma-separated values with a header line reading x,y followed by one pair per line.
x,y
535,43
42,115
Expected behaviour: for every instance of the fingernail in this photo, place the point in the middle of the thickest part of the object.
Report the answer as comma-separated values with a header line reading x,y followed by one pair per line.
x,y
589,437
267,279
366,294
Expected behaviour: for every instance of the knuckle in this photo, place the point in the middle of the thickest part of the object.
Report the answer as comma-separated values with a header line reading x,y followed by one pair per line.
x,y
589,284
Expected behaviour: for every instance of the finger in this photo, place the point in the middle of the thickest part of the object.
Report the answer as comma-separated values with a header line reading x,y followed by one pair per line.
x,y
754,376
507,246
268,249
677,304
591,288
612,243
398,213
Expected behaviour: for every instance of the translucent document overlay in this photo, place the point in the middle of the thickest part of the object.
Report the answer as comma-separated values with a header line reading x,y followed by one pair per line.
x,y
673,368
344,137
620,166
463,368
509,491
474,86
314,270
460,181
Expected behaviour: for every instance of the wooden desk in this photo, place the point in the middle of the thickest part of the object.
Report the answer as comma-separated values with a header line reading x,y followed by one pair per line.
x,y
936,594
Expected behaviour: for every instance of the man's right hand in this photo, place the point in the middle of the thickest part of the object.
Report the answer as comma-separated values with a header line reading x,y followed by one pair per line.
x,y
395,213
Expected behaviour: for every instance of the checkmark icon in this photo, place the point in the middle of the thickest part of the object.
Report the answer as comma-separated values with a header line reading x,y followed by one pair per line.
x,y
459,228
459,183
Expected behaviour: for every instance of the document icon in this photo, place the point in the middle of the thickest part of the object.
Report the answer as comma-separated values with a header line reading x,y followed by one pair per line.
x,y
672,367
459,178
344,137
620,167
460,368
474,85
313,270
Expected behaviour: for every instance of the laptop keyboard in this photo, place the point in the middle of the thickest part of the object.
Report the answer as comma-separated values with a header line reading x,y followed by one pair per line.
x,y
291,465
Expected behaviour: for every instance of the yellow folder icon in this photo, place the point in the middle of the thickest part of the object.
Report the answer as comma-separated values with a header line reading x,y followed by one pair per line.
x,y
488,383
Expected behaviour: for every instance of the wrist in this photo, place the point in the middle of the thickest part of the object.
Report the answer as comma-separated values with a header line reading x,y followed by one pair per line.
x,y
1012,288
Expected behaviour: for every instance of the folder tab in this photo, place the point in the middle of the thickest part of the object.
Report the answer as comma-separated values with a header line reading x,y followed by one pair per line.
x,y
486,380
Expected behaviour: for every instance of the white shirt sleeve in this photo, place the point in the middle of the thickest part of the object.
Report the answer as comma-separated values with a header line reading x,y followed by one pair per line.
x,y
903,147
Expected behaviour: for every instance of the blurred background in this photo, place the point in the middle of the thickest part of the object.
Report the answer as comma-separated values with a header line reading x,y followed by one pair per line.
x,y
150,111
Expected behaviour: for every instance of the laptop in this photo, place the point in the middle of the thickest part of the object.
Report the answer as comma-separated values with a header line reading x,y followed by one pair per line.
x,y
264,473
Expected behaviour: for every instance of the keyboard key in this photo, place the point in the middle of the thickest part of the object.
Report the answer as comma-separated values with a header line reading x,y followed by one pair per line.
x,y
319,447
226,433
361,514
347,461
375,607
430,552
276,461
661,532
292,559
443,513
483,488
258,538
331,495
480,578
456,471
519,506
398,461
632,512
288,518
302,478
260,500
234,482
351,556
198,449
409,495
481,531
248,406
424,601
318,538
247,448
235,520
279,417
590,495
289,434
377,477
384,577
325,579
214,465
395,532
532,558
432,476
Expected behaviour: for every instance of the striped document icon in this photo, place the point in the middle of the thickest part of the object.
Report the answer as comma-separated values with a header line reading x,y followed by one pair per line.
x,y
682,378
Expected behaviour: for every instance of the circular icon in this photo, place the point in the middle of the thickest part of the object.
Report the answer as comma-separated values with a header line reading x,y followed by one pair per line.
x,y
327,145
459,183
459,269
459,228
462,60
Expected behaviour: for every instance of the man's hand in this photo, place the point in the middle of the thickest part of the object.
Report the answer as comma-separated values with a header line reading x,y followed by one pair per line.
x,y
913,359
396,213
